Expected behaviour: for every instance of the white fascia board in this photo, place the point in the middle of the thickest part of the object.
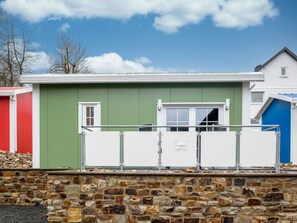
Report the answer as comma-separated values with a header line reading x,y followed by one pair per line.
x,y
15,91
23,90
270,98
141,78
263,108
282,97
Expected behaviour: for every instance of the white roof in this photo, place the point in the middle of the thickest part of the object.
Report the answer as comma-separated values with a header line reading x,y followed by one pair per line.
x,y
11,91
141,78
284,97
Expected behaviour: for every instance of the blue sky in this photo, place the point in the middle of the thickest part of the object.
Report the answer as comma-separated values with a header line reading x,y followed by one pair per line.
x,y
166,35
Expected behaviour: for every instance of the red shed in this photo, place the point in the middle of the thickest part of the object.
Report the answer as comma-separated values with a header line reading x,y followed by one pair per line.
x,y
16,119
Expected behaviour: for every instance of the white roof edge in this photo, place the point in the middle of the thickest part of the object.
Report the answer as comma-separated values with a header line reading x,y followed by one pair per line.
x,y
270,98
141,78
15,91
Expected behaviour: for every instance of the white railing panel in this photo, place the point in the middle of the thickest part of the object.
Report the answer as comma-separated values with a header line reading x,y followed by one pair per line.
x,y
218,149
141,149
179,149
102,148
257,149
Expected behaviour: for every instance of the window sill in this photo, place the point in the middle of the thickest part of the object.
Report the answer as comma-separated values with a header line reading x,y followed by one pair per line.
x,y
283,76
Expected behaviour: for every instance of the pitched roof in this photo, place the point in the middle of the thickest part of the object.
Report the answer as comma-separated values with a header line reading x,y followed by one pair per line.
x,y
291,98
285,49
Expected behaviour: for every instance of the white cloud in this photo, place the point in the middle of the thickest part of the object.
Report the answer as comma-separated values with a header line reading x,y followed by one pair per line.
x,y
170,15
41,61
143,60
106,63
114,63
64,27
241,14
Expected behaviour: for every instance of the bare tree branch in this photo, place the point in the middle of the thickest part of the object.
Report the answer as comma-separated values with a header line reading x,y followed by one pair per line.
x,y
15,58
69,57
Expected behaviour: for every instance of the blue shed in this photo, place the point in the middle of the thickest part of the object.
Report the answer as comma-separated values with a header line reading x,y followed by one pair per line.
x,y
281,109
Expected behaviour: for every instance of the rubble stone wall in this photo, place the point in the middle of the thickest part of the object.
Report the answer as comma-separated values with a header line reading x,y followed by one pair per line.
x,y
23,186
172,198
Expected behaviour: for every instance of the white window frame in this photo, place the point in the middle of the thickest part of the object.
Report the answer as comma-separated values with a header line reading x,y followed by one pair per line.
x,y
258,103
222,106
284,72
82,116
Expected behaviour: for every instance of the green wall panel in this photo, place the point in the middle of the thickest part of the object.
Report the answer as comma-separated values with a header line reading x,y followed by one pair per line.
x,y
121,104
149,96
62,127
186,92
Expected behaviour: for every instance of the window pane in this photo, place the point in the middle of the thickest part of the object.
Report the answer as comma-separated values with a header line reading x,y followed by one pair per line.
x,y
183,114
257,96
283,71
206,116
213,114
171,114
92,111
177,117
200,115
254,121
90,119
87,111
183,129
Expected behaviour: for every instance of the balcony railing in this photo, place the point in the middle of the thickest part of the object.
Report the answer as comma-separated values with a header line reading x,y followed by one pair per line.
x,y
208,146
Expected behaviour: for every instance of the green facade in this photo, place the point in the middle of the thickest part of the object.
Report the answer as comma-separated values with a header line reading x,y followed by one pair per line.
x,y
121,104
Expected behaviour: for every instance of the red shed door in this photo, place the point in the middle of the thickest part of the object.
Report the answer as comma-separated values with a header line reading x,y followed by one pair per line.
x,y
4,123
24,123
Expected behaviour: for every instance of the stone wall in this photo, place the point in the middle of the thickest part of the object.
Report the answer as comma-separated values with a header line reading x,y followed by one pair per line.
x,y
23,186
172,198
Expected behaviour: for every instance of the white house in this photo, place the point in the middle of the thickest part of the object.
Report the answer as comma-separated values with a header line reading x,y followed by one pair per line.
x,y
280,73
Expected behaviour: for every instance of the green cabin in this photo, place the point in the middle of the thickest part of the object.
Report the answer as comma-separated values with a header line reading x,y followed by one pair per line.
x,y
64,103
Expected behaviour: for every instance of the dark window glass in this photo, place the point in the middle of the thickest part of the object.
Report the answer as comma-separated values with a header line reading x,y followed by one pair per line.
x,y
206,116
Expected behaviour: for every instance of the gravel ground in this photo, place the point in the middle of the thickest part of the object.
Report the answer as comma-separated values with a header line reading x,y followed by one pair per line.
x,y
23,214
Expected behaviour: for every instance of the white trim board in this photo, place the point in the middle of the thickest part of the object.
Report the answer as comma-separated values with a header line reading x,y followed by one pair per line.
x,y
36,126
9,92
142,78
13,123
270,99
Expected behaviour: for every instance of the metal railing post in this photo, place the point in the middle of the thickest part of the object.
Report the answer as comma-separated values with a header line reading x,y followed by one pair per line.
x,y
83,150
160,151
277,151
237,158
198,151
121,150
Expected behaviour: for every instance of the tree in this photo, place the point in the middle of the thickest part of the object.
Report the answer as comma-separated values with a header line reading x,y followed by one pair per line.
x,y
69,57
15,57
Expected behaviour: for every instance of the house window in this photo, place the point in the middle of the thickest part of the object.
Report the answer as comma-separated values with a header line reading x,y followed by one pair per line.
x,y
257,97
206,116
255,121
283,71
89,114
177,117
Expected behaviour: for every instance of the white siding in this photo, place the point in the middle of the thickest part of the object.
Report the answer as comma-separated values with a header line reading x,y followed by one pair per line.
x,y
274,82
